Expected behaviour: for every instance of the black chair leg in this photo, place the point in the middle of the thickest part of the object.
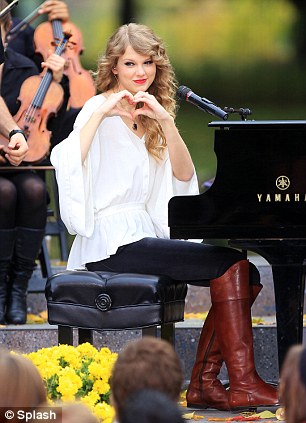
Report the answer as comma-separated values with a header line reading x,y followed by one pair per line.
x,y
167,332
65,335
151,331
85,335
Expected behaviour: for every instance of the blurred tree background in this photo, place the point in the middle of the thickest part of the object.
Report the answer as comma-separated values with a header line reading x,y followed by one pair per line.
x,y
248,53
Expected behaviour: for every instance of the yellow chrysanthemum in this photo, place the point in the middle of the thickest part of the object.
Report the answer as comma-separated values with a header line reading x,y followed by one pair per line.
x,y
68,383
99,370
77,374
91,399
87,350
101,386
104,412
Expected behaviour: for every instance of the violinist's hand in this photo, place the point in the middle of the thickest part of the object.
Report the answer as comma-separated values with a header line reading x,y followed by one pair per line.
x,y
151,107
56,10
56,64
15,151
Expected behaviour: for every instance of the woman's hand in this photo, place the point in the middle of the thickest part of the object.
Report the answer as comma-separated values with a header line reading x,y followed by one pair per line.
x,y
151,107
56,64
115,105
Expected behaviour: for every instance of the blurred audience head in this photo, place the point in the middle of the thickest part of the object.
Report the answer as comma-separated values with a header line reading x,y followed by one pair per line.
x,y
293,385
147,363
21,384
76,412
150,406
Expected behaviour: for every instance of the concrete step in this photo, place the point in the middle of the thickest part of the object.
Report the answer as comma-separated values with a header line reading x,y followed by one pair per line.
x,y
27,338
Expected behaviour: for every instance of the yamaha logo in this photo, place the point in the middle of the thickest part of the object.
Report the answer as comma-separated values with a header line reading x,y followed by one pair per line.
x,y
282,182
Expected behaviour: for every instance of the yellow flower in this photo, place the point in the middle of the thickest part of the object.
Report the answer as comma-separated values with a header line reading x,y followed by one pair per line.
x,y
87,349
101,386
68,383
91,399
77,373
104,412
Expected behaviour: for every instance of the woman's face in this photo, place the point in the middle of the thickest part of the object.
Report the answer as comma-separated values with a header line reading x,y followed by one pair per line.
x,y
134,71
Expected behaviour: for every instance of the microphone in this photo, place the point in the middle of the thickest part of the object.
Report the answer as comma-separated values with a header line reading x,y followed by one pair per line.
x,y
202,103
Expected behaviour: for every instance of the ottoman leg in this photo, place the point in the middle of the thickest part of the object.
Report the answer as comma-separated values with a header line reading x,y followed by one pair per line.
x,y
85,335
65,335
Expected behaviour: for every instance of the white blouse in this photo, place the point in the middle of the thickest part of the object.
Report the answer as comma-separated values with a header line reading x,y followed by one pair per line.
x,y
119,195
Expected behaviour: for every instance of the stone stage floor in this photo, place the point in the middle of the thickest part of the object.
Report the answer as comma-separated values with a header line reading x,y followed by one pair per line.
x,y
210,415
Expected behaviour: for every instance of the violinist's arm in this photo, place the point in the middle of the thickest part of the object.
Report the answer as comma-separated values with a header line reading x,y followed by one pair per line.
x,y
17,147
56,9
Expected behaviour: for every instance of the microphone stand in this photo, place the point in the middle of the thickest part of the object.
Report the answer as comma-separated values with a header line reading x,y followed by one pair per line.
x,y
241,111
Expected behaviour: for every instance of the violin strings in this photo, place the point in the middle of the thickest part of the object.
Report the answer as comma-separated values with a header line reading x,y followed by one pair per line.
x,y
57,29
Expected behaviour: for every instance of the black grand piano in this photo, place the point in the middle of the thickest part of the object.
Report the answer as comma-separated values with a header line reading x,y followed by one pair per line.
x,y
257,202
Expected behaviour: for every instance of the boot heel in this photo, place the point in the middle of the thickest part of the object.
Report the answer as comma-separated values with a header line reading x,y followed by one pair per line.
x,y
197,406
244,409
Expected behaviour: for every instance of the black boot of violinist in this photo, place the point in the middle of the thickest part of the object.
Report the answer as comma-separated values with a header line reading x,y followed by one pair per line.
x,y
7,241
27,246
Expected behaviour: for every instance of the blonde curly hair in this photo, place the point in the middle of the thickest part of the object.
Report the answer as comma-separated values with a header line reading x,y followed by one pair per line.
x,y
144,41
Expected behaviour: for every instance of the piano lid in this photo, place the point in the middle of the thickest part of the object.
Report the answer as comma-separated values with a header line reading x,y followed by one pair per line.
x,y
260,186
259,124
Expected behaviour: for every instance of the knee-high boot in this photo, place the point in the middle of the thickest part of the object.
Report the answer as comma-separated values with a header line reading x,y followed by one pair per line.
x,y
230,296
205,389
27,246
7,241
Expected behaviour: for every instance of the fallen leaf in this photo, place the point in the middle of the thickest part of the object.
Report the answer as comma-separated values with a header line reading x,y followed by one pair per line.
x,y
188,416
265,415
33,318
44,315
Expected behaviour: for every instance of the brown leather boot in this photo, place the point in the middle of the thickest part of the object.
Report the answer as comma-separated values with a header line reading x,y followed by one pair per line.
x,y
230,296
205,389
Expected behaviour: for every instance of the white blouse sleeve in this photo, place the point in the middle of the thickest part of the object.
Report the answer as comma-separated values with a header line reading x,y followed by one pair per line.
x,y
74,180
166,186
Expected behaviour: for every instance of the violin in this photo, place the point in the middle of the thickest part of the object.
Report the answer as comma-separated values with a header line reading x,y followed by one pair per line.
x,y
46,36
81,84
34,112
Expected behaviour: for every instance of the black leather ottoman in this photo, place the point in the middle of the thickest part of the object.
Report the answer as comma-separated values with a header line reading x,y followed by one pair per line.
x,y
113,301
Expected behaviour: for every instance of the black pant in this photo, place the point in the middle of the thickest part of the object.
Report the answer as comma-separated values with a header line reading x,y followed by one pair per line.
x,y
195,263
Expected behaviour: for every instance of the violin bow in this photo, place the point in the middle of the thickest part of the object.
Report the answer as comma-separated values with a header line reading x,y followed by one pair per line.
x,y
8,8
25,22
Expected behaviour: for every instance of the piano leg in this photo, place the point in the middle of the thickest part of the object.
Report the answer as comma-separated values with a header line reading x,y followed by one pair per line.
x,y
286,258
289,283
